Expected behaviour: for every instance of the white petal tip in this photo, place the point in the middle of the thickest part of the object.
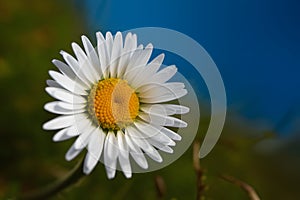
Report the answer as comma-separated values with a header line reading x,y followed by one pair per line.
x,y
46,126
177,138
172,143
168,150
140,161
62,52
144,166
83,37
78,145
99,35
68,157
71,154
119,33
87,170
55,138
184,125
108,34
127,174
110,173
149,46
50,72
174,67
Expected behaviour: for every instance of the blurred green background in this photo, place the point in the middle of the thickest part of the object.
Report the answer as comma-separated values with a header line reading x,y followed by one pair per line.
x,y
32,34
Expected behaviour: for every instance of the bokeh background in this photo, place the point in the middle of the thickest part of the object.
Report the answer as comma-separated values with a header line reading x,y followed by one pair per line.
x,y
254,43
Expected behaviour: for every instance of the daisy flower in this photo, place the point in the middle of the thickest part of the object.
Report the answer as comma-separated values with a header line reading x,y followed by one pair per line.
x,y
115,101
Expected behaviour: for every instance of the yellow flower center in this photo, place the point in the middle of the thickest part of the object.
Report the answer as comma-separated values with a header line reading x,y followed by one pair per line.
x,y
113,103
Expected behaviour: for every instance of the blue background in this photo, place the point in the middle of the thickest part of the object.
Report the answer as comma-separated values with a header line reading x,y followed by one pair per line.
x,y
255,44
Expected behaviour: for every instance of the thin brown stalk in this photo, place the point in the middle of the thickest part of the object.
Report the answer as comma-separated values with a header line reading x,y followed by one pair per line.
x,y
50,190
200,187
246,187
160,187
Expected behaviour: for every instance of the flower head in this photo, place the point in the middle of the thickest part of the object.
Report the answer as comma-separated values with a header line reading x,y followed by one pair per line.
x,y
115,102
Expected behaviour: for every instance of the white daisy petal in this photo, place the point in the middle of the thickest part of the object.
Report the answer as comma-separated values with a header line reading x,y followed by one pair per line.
x,y
128,41
95,147
64,68
172,109
178,122
123,62
166,109
165,74
150,90
81,123
167,96
62,121
141,67
149,150
154,133
160,146
64,95
72,153
133,43
155,109
65,134
125,55
132,69
110,155
67,71
115,55
67,83
83,138
136,152
156,119
109,43
171,134
147,72
61,135
124,155
71,106
143,144
143,59
100,36
54,107
52,83
73,63
162,120
84,63
59,122
92,55
154,65
107,49
103,54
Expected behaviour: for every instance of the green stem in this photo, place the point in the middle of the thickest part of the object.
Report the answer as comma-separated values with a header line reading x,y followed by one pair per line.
x,y
56,187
